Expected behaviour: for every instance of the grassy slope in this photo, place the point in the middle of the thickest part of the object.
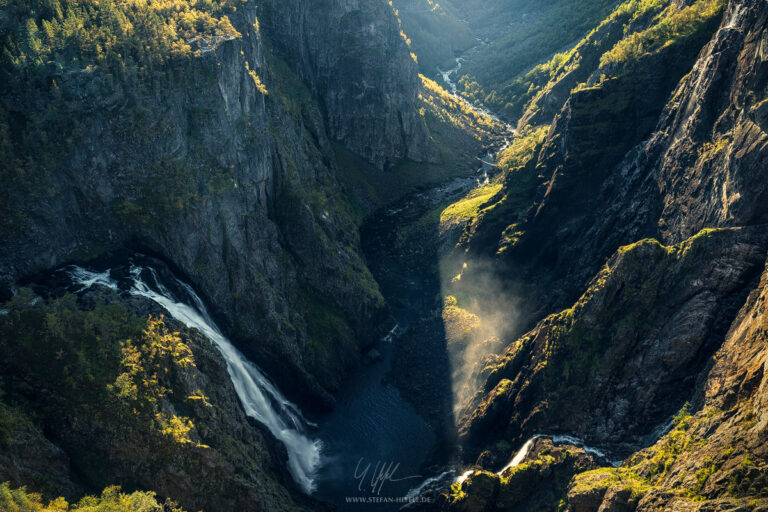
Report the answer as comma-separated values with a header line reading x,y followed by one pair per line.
x,y
522,34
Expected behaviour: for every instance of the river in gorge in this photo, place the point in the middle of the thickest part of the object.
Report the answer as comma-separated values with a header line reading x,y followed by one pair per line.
x,y
375,427
392,429
392,432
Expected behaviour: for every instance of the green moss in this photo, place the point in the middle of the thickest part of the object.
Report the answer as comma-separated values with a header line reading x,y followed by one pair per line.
x,y
502,387
703,474
454,111
494,210
748,480
604,478
325,325
469,207
11,421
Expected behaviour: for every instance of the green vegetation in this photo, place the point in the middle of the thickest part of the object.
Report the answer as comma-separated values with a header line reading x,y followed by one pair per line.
x,y
646,470
446,108
488,76
672,26
159,352
500,205
468,208
652,468
103,359
76,353
68,67
748,480
122,397
537,484
569,69
117,35
604,478
111,500
606,44
459,323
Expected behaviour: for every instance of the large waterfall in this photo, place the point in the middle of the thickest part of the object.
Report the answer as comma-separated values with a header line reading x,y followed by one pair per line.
x,y
259,397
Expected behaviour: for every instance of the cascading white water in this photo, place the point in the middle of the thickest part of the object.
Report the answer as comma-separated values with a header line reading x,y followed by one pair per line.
x,y
524,450
259,397
447,74
521,454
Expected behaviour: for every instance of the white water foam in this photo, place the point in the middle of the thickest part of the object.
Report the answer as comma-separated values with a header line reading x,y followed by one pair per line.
x,y
417,490
261,400
463,477
521,454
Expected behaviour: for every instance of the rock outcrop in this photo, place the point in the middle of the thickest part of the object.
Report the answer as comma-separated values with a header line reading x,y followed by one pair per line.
x,y
97,392
354,60
222,165
627,355
671,192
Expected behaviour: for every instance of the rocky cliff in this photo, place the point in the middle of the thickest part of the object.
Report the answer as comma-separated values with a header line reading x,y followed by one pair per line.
x,y
221,164
102,389
353,58
662,185
206,136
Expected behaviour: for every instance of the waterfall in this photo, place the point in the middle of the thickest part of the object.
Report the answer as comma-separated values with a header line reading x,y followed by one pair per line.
x,y
521,454
524,450
261,400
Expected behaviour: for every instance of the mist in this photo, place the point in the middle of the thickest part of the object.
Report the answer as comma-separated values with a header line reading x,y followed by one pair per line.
x,y
481,317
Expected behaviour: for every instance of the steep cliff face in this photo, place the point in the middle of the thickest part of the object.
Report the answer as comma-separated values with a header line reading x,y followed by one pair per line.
x,y
713,458
626,356
586,202
221,163
435,31
682,312
353,58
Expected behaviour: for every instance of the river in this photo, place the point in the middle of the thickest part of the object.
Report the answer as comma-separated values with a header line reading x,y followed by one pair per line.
x,y
393,427
375,421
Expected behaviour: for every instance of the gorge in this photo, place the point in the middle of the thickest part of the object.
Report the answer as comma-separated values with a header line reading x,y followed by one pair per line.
x,y
360,254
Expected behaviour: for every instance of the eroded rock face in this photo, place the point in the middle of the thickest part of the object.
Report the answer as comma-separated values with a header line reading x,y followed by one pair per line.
x,y
714,459
223,167
352,56
604,190
693,333
628,353
668,147
538,482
